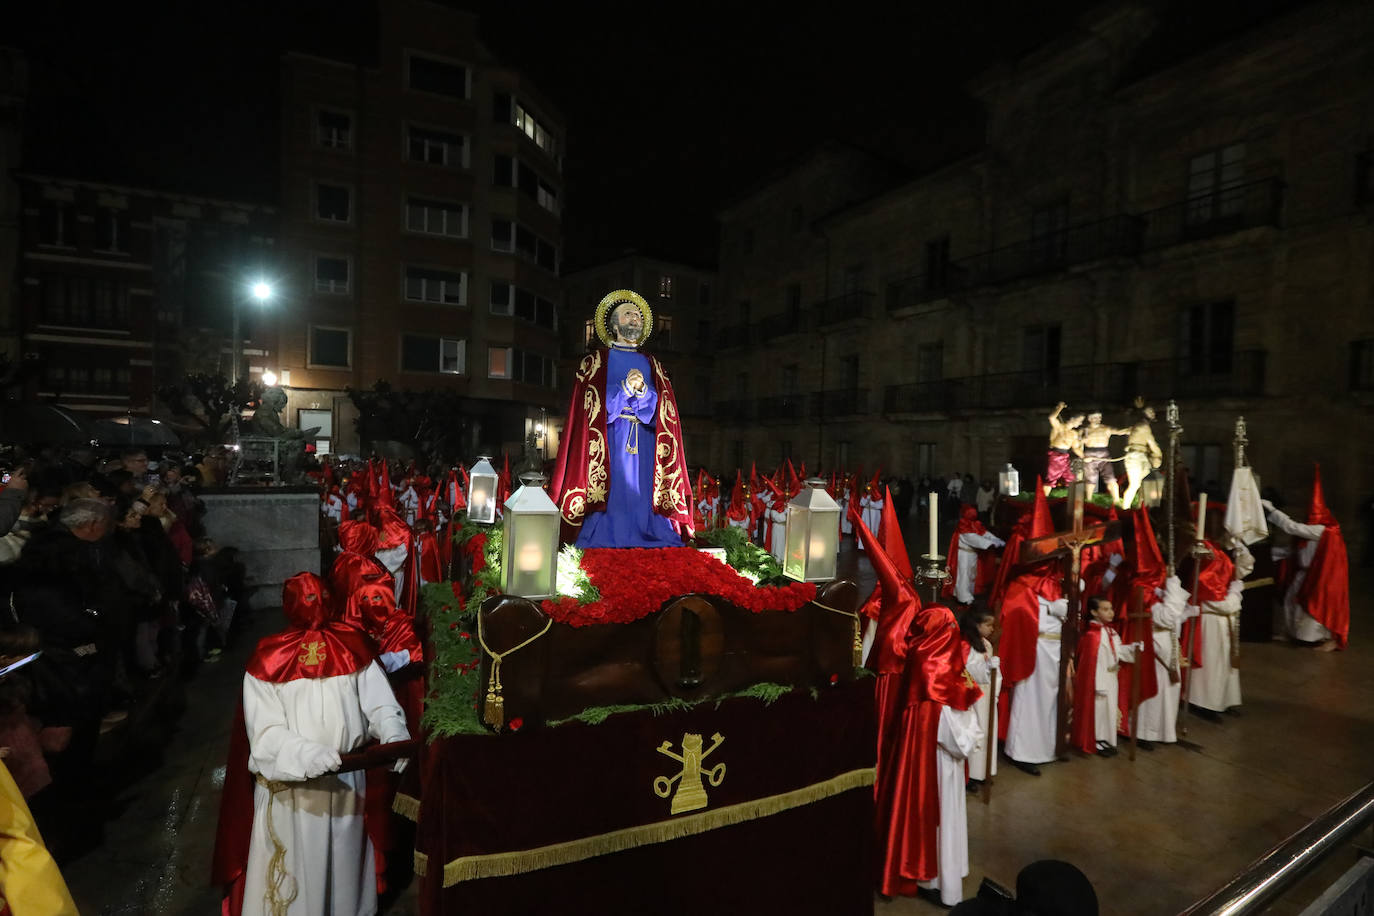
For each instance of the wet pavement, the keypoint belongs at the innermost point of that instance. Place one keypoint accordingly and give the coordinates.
(1153, 835)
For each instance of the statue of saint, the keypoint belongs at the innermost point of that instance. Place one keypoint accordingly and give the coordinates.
(1064, 438)
(1142, 452)
(621, 475)
(1097, 461)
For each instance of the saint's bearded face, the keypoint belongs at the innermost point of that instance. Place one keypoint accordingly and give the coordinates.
(627, 323)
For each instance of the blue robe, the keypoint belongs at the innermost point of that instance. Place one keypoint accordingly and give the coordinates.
(629, 519)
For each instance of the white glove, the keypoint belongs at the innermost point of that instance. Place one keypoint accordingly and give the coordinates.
(1138, 645)
(998, 542)
(394, 661)
(1116, 560)
(1266, 505)
(1109, 576)
(1190, 611)
(319, 759)
(1159, 592)
(1059, 608)
(1235, 588)
(995, 663)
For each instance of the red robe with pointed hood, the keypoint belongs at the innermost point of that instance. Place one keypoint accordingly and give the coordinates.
(336, 649)
(1143, 568)
(924, 643)
(1325, 592)
(894, 545)
(987, 563)
(581, 476)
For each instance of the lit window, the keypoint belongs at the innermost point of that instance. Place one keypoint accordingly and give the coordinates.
(331, 275)
(440, 286)
(531, 127)
(498, 362)
(665, 286)
(437, 218)
(334, 130)
(332, 203)
(435, 147)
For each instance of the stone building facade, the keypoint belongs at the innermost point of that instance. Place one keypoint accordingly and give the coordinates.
(1193, 227)
(421, 228)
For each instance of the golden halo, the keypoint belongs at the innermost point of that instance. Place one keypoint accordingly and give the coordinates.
(606, 305)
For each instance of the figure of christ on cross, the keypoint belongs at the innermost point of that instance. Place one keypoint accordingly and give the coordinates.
(1069, 545)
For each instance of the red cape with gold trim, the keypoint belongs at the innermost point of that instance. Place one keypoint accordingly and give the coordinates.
(581, 474)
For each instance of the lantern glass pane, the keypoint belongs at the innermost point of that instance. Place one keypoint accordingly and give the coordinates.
(530, 549)
(794, 557)
(482, 499)
(823, 546)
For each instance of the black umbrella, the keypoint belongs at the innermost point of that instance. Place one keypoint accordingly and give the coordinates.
(131, 430)
(32, 424)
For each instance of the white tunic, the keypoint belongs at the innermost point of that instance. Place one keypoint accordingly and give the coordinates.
(778, 545)
(846, 526)
(871, 510)
(958, 736)
(979, 668)
(1300, 624)
(966, 573)
(1106, 713)
(1157, 717)
(319, 822)
(1034, 701)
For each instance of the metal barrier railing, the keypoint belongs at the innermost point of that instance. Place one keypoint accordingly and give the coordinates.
(1280, 868)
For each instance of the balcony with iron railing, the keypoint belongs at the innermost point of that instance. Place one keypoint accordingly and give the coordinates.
(1115, 236)
(1235, 374)
(1220, 212)
(740, 410)
(792, 321)
(909, 293)
(839, 402)
(782, 407)
(844, 307)
(736, 335)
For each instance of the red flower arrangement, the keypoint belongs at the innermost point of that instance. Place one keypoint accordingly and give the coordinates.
(515, 724)
(636, 583)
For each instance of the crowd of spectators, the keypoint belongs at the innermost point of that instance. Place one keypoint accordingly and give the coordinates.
(107, 575)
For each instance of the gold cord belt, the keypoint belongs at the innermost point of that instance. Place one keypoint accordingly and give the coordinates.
(494, 709)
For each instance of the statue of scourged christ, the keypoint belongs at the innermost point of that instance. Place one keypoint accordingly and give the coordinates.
(621, 475)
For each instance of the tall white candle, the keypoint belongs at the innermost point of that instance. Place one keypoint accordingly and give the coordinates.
(1202, 515)
(934, 522)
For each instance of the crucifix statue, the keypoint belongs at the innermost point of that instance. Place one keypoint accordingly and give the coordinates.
(1068, 545)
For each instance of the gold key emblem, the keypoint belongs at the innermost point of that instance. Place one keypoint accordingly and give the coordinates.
(313, 654)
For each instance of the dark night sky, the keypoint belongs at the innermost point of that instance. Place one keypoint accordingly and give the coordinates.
(671, 110)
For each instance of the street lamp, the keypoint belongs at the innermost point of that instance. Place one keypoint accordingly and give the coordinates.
(260, 291)
(269, 378)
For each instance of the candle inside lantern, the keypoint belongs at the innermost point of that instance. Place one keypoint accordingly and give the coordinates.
(530, 558)
(817, 547)
(934, 522)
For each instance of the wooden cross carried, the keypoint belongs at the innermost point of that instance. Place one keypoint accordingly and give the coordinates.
(1068, 544)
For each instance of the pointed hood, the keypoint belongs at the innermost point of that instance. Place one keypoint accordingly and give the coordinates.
(1318, 513)
(394, 532)
(315, 643)
(793, 481)
(1041, 523)
(894, 549)
(875, 483)
(897, 594)
(357, 536)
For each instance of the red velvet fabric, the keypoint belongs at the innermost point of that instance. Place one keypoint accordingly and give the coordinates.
(316, 644)
(1083, 734)
(1325, 592)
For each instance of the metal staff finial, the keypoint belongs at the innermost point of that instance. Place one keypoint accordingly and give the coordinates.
(1175, 431)
(1240, 440)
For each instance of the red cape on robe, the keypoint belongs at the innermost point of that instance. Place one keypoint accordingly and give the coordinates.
(581, 475)
(1083, 735)
(1325, 593)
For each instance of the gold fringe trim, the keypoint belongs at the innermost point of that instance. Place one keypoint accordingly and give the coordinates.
(407, 806)
(504, 864)
(421, 864)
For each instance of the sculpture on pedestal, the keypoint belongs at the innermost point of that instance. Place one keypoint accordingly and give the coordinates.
(1142, 451)
(621, 475)
(1097, 461)
(1064, 439)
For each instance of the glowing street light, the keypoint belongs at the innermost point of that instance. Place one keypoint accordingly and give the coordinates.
(269, 378)
(261, 291)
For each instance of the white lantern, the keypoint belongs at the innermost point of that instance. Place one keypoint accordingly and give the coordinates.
(529, 549)
(482, 481)
(813, 535)
(1009, 481)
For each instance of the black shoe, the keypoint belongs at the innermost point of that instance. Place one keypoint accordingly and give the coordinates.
(1030, 768)
(1144, 745)
(1205, 715)
(1106, 750)
(1235, 711)
(973, 785)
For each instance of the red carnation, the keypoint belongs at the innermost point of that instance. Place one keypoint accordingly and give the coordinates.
(834, 679)
(515, 724)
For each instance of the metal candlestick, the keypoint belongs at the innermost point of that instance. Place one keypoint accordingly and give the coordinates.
(931, 575)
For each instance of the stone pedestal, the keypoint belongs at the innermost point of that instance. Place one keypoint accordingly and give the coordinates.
(276, 530)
